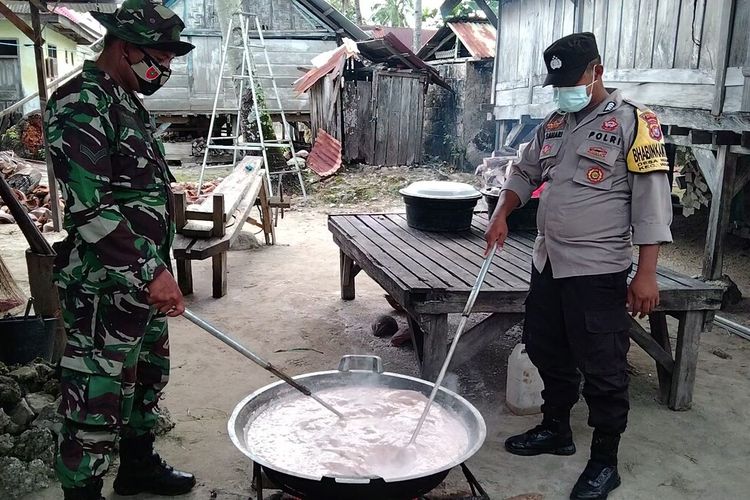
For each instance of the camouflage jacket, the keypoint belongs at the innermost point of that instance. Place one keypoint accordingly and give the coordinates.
(115, 183)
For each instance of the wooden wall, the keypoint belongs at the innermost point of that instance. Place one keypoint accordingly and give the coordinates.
(381, 121)
(662, 53)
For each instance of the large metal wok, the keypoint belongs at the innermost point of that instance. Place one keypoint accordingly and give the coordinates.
(353, 371)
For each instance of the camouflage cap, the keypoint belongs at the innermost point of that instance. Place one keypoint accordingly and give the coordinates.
(146, 23)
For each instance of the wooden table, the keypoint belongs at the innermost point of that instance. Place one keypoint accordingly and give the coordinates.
(431, 274)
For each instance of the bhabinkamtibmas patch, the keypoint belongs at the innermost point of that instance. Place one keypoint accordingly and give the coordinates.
(647, 153)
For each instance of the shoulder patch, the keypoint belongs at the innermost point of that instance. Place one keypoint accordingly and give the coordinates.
(647, 154)
(610, 106)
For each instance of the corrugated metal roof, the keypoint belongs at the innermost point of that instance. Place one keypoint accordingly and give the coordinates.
(22, 7)
(325, 156)
(478, 37)
(405, 35)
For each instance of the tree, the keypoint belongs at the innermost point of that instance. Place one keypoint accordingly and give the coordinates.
(391, 13)
(357, 12)
(349, 9)
(417, 43)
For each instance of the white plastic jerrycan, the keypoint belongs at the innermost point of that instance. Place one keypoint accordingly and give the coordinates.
(523, 391)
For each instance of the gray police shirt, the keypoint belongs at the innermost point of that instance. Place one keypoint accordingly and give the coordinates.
(606, 187)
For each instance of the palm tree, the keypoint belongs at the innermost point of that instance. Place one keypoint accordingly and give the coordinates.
(417, 42)
(391, 13)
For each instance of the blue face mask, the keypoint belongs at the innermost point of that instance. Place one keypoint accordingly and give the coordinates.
(573, 99)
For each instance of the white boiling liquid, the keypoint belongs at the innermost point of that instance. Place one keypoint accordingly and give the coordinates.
(300, 435)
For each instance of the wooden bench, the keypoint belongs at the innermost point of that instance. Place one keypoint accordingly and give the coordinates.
(208, 229)
(430, 275)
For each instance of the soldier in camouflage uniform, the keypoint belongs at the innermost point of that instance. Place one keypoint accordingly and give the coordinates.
(113, 269)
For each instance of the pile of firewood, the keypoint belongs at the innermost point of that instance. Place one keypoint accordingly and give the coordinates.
(191, 190)
(24, 177)
(697, 194)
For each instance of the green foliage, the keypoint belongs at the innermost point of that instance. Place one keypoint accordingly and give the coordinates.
(11, 139)
(346, 7)
(392, 13)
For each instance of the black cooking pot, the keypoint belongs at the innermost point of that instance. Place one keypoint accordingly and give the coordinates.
(520, 219)
(365, 371)
(440, 206)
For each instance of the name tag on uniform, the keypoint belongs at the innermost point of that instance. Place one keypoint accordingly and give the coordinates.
(597, 151)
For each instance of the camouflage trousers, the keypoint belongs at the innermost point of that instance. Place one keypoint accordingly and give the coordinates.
(115, 365)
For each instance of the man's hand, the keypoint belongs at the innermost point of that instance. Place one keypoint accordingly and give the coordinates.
(643, 294)
(165, 295)
(497, 231)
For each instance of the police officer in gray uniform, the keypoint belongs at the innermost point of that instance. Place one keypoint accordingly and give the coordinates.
(603, 160)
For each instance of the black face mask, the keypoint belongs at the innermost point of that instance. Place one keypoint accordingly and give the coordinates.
(151, 75)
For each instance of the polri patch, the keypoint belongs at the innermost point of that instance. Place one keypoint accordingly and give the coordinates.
(605, 137)
(597, 152)
(654, 128)
(610, 106)
(610, 125)
(555, 123)
(595, 175)
(546, 149)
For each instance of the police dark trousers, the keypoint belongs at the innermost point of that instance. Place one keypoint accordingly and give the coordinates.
(579, 325)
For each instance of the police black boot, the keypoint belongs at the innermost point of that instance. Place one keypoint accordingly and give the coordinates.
(600, 476)
(143, 470)
(552, 436)
(92, 491)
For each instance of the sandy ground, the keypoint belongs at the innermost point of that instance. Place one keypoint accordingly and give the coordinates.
(284, 302)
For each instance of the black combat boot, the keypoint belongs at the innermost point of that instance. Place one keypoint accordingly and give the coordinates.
(552, 436)
(92, 491)
(600, 476)
(143, 470)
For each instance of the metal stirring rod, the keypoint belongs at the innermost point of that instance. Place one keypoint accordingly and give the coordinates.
(208, 327)
(461, 325)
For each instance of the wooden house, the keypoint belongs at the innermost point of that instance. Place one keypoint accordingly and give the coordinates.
(370, 98)
(456, 128)
(294, 30)
(689, 60)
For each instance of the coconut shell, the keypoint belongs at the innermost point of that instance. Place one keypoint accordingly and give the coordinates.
(384, 326)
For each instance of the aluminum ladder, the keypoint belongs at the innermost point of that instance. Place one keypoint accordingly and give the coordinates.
(249, 76)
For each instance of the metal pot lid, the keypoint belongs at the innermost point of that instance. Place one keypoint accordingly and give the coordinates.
(441, 190)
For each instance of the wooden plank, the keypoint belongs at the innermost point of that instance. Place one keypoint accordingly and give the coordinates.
(644, 42)
(687, 49)
(660, 333)
(419, 134)
(452, 252)
(666, 33)
(740, 47)
(708, 167)
(711, 35)
(406, 140)
(218, 218)
(677, 95)
(648, 344)
(382, 118)
(394, 115)
(686, 360)
(629, 31)
(611, 55)
(587, 14)
(480, 336)
(348, 274)
(18, 22)
(404, 253)
(718, 219)
(722, 57)
(601, 20)
(180, 202)
(233, 187)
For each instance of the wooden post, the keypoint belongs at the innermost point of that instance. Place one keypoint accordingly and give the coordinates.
(219, 267)
(718, 220)
(435, 327)
(180, 203)
(686, 360)
(349, 271)
(41, 78)
(660, 333)
(185, 276)
(727, 9)
(46, 298)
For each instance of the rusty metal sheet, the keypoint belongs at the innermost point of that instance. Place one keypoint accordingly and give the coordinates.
(325, 156)
(478, 37)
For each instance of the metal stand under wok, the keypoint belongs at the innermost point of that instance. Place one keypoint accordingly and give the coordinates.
(477, 492)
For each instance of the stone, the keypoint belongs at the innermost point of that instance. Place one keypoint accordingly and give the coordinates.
(6, 444)
(45, 371)
(37, 401)
(3, 369)
(10, 392)
(18, 479)
(35, 443)
(22, 414)
(52, 387)
(49, 418)
(384, 326)
(164, 422)
(4, 421)
(245, 241)
(27, 377)
(14, 429)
